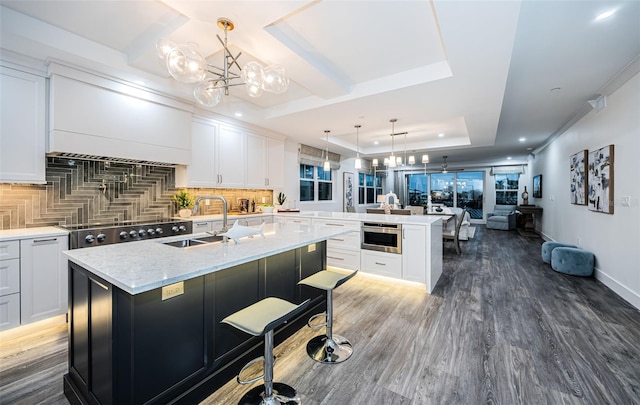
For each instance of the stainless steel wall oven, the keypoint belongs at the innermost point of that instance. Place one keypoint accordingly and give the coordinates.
(382, 237)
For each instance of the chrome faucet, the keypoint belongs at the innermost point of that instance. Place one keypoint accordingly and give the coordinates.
(224, 208)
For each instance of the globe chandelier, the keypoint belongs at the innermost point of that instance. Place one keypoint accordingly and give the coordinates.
(187, 65)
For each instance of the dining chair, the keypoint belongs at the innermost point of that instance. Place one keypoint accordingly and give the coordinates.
(454, 235)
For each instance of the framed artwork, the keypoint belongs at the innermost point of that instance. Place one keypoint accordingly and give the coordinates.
(537, 186)
(578, 178)
(600, 186)
(347, 190)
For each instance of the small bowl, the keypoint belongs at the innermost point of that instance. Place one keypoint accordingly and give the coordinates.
(438, 209)
(267, 210)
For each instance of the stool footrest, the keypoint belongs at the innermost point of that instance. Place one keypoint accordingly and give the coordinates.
(318, 326)
(282, 394)
(249, 364)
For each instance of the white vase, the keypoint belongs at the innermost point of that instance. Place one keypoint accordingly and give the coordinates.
(184, 213)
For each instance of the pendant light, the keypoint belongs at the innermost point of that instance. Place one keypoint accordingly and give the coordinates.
(392, 158)
(444, 164)
(358, 162)
(327, 164)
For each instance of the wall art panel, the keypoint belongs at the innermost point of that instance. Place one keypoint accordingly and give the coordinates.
(601, 180)
(578, 178)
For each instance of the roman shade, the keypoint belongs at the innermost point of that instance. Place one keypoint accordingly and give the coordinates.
(519, 169)
(308, 155)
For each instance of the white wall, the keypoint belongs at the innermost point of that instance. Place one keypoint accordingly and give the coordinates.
(614, 239)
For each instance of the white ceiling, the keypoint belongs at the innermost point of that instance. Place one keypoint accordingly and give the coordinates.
(479, 72)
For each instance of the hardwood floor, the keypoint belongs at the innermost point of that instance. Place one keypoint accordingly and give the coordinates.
(501, 327)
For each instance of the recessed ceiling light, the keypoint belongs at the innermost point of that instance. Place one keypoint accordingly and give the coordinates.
(522, 139)
(376, 142)
(508, 157)
(440, 135)
(605, 15)
(238, 114)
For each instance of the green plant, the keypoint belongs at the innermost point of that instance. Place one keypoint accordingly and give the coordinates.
(281, 198)
(267, 205)
(183, 199)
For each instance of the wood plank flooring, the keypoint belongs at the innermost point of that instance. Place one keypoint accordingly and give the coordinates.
(501, 327)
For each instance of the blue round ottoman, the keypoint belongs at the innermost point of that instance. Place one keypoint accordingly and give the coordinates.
(573, 261)
(548, 247)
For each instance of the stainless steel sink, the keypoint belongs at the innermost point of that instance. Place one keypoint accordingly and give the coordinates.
(195, 242)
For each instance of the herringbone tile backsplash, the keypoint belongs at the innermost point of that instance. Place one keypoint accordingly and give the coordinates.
(82, 191)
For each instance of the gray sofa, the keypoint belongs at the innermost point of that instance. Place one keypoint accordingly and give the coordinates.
(503, 217)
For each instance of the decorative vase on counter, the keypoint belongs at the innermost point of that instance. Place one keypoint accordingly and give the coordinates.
(184, 213)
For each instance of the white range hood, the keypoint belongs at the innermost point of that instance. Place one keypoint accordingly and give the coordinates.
(94, 117)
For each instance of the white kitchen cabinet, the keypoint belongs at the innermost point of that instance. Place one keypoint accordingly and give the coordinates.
(381, 263)
(202, 172)
(22, 127)
(9, 284)
(265, 157)
(414, 253)
(231, 157)
(343, 251)
(218, 157)
(43, 283)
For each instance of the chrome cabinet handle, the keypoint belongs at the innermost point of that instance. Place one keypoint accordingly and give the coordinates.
(44, 240)
(327, 224)
(335, 258)
(339, 240)
(381, 264)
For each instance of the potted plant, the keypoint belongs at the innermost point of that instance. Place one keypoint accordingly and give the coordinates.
(184, 202)
(281, 199)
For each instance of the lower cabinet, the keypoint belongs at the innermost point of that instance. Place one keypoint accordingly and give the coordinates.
(43, 278)
(381, 263)
(9, 311)
(146, 348)
(414, 253)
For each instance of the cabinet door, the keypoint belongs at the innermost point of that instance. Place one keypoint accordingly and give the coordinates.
(9, 311)
(43, 283)
(231, 157)
(257, 175)
(414, 253)
(22, 127)
(202, 172)
(275, 163)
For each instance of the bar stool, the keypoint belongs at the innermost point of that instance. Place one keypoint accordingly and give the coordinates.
(260, 319)
(328, 348)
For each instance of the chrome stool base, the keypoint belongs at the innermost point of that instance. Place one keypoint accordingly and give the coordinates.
(282, 395)
(329, 351)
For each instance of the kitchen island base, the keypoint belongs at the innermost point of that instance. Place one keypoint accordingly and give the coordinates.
(143, 349)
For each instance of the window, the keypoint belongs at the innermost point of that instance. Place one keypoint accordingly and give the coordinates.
(507, 188)
(469, 192)
(442, 188)
(367, 190)
(314, 178)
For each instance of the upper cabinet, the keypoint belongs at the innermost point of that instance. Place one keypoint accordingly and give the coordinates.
(265, 157)
(224, 155)
(22, 127)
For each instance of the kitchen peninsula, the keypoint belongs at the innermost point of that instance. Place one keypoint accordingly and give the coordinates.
(145, 316)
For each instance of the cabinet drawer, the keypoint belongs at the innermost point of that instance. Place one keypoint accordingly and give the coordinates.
(9, 276)
(345, 259)
(383, 264)
(350, 240)
(293, 220)
(202, 226)
(10, 250)
(9, 311)
(337, 224)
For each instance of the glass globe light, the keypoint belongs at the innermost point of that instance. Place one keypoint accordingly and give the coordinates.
(207, 94)
(185, 64)
(275, 79)
(253, 74)
(163, 47)
(253, 90)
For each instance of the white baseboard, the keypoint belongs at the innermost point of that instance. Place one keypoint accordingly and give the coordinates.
(630, 296)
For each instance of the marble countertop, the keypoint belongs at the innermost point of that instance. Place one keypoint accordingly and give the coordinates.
(28, 233)
(146, 265)
(347, 216)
